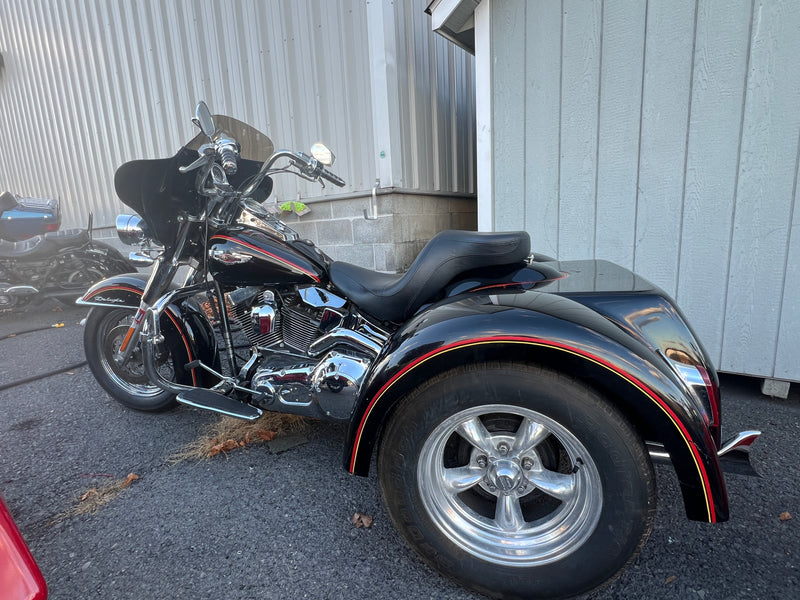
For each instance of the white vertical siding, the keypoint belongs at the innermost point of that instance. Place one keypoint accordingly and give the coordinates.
(580, 88)
(762, 217)
(542, 154)
(663, 135)
(619, 129)
(89, 85)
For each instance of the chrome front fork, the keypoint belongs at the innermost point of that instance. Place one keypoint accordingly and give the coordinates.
(162, 275)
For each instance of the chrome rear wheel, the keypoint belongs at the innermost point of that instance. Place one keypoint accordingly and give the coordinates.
(517, 481)
(491, 490)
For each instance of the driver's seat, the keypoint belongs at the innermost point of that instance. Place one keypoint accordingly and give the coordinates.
(390, 297)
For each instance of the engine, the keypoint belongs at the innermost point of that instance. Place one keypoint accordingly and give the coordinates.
(313, 352)
(270, 322)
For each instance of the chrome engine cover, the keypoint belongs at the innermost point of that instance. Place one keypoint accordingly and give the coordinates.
(326, 389)
(310, 353)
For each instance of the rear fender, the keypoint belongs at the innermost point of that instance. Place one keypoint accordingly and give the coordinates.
(185, 326)
(561, 334)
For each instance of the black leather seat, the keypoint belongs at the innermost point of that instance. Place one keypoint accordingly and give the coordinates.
(396, 297)
(44, 245)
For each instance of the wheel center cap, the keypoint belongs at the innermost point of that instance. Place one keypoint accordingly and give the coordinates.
(505, 475)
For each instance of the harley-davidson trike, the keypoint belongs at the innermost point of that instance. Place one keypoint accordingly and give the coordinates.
(516, 403)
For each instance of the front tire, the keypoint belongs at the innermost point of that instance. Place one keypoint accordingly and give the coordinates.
(102, 337)
(516, 481)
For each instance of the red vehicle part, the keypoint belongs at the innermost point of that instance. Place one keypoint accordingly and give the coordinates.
(20, 577)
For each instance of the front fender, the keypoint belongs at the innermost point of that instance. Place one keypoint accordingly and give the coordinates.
(186, 325)
(565, 335)
(119, 290)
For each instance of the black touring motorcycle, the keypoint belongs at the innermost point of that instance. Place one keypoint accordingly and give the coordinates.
(38, 260)
(516, 403)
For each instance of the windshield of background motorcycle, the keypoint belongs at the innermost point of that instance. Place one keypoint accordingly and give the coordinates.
(254, 144)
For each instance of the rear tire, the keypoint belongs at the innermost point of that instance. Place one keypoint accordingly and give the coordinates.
(516, 481)
(103, 334)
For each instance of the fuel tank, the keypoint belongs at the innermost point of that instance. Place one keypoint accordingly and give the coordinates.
(245, 256)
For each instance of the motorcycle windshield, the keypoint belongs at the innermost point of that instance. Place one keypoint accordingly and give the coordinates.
(254, 145)
(159, 192)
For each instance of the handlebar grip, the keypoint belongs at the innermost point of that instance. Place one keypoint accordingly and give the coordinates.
(332, 177)
(228, 156)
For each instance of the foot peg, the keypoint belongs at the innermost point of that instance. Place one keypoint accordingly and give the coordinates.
(208, 400)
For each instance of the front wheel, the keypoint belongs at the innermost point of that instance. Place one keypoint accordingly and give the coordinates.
(517, 481)
(102, 337)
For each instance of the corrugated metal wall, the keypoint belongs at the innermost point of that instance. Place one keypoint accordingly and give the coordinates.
(436, 84)
(663, 135)
(88, 85)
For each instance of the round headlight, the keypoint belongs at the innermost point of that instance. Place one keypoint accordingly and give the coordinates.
(130, 229)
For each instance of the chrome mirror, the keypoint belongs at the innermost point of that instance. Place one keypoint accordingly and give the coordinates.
(323, 154)
(203, 119)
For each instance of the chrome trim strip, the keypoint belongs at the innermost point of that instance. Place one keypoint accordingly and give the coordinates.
(21, 290)
(81, 302)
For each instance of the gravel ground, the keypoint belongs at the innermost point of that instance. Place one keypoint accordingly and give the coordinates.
(252, 524)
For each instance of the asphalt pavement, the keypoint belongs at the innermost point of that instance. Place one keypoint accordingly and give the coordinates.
(253, 524)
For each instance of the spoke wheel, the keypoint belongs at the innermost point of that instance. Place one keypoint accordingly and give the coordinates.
(105, 330)
(505, 504)
(131, 376)
(517, 481)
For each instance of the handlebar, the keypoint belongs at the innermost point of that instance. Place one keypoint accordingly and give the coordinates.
(332, 177)
(227, 150)
(314, 169)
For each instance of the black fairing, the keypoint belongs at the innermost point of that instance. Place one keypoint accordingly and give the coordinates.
(157, 191)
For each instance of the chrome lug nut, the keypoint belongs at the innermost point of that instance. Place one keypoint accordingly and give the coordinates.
(503, 449)
(482, 462)
(527, 464)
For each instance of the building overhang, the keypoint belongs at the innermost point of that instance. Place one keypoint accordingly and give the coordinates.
(455, 20)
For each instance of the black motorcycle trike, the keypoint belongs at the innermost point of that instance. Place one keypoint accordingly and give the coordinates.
(516, 403)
